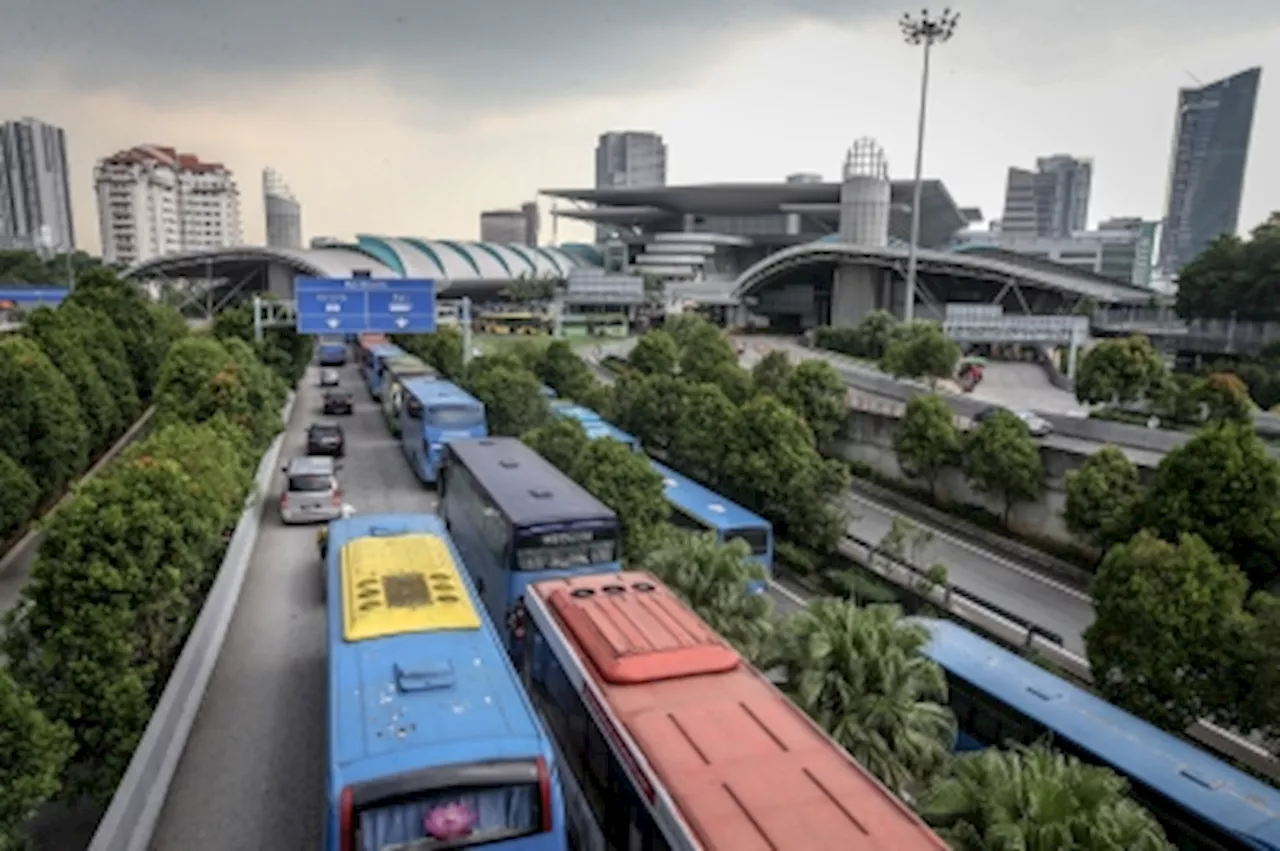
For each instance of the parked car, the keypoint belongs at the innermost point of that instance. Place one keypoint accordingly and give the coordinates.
(1037, 425)
(330, 378)
(337, 402)
(311, 491)
(326, 439)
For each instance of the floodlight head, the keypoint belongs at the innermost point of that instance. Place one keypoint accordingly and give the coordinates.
(928, 29)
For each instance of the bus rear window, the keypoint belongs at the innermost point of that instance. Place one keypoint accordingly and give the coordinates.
(757, 539)
(567, 550)
(459, 817)
(454, 417)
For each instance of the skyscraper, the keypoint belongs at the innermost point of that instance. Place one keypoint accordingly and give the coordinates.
(630, 158)
(1206, 168)
(35, 193)
(1052, 201)
(283, 212)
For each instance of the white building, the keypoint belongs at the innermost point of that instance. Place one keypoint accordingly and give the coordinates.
(35, 194)
(154, 201)
(283, 212)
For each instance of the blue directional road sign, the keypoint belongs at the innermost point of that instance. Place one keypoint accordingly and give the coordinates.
(365, 305)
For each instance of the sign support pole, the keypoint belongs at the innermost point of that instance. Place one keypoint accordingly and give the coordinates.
(257, 319)
(465, 318)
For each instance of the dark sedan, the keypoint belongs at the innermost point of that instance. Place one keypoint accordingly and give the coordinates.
(326, 439)
(337, 402)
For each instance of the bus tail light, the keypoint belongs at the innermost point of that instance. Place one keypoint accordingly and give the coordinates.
(544, 793)
(346, 822)
(337, 497)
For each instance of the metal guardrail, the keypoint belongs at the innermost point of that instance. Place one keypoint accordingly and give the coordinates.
(1014, 630)
(131, 818)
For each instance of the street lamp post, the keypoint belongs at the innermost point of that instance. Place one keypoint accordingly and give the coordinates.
(925, 30)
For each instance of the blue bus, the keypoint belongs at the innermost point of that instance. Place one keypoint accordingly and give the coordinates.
(332, 352)
(595, 426)
(701, 509)
(433, 413)
(998, 697)
(376, 373)
(432, 742)
(517, 520)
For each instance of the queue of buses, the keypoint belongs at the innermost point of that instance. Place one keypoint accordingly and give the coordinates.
(498, 680)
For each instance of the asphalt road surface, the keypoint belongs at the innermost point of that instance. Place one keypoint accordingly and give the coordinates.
(252, 774)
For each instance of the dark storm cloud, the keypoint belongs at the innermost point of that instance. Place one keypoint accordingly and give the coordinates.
(490, 52)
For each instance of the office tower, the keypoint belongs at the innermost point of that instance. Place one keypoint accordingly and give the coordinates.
(1206, 168)
(283, 212)
(154, 201)
(35, 192)
(1052, 201)
(511, 226)
(630, 158)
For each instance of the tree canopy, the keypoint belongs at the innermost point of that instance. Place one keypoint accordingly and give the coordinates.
(1121, 370)
(1102, 496)
(927, 441)
(1001, 458)
(1235, 278)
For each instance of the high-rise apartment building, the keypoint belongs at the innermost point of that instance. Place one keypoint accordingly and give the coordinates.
(511, 226)
(283, 212)
(1206, 168)
(1052, 201)
(35, 192)
(630, 158)
(153, 201)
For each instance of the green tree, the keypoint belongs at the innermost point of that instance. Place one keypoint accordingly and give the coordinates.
(40, 421)
(513, 399)
(109, 355)
(1035, 799)
(928, 441)
(772, 373)
(1226, 398)
(713, 578)
(859, 673)
(35, 751)
(67, 347)
(1002, 459)
(1168, 619)
(733, 381)
(441, 348)
(283, 350)
(1120, 371)
(704, 352)
(919, 349)
(129, 311)
(624, 481)
(648, 406)
(1234, 278)
(560, 441)
(563, 371)
(1223, 486)
(707, 429)
(28, 267)
(1102, 496)
(819, 395)
(656, 353)
(1258, 670)
(19, 496)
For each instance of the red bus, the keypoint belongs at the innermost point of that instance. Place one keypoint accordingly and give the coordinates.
(669, 741)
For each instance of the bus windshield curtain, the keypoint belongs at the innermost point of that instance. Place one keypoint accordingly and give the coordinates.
(486, 815)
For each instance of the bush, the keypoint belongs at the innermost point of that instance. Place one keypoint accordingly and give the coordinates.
(19, 496)
(35, 752)
(40, 419)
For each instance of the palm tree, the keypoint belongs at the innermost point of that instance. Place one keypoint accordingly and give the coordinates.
(712, 578)
(859, 673)
(1034, 799)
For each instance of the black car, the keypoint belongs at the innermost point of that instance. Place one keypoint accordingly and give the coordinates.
(326, 439)
(337, 402)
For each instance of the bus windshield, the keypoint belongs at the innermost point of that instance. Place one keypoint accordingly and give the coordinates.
(459, 817)
(755, 538)
(455, 416)
(566, 550)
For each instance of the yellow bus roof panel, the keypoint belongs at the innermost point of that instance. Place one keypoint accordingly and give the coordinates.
(402, 584)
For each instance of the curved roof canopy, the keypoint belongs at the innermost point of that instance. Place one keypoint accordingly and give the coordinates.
(445, 261)
(1002, 269)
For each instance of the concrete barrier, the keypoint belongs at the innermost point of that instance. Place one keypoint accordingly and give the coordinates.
(130, 820)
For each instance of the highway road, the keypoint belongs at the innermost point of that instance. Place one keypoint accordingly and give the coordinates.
(252, 774)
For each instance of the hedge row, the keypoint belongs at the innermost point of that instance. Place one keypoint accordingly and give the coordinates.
(75, 379)
(122, 573)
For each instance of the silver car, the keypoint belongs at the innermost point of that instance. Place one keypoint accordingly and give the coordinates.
(330, 378)
(311, 491)
(1037, 425)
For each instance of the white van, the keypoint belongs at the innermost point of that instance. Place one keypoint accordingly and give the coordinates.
(311, 491)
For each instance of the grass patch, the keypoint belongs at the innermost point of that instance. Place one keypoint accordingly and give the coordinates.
(492, 344)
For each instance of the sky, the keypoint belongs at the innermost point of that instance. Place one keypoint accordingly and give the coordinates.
(409, 117)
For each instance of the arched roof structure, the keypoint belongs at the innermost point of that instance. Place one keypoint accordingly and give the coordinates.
(448, 262)
(1002, 269)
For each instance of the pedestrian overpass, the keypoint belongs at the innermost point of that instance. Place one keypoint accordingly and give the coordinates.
(989, 324)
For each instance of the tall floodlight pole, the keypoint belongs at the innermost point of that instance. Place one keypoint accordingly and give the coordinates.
(925, 30)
